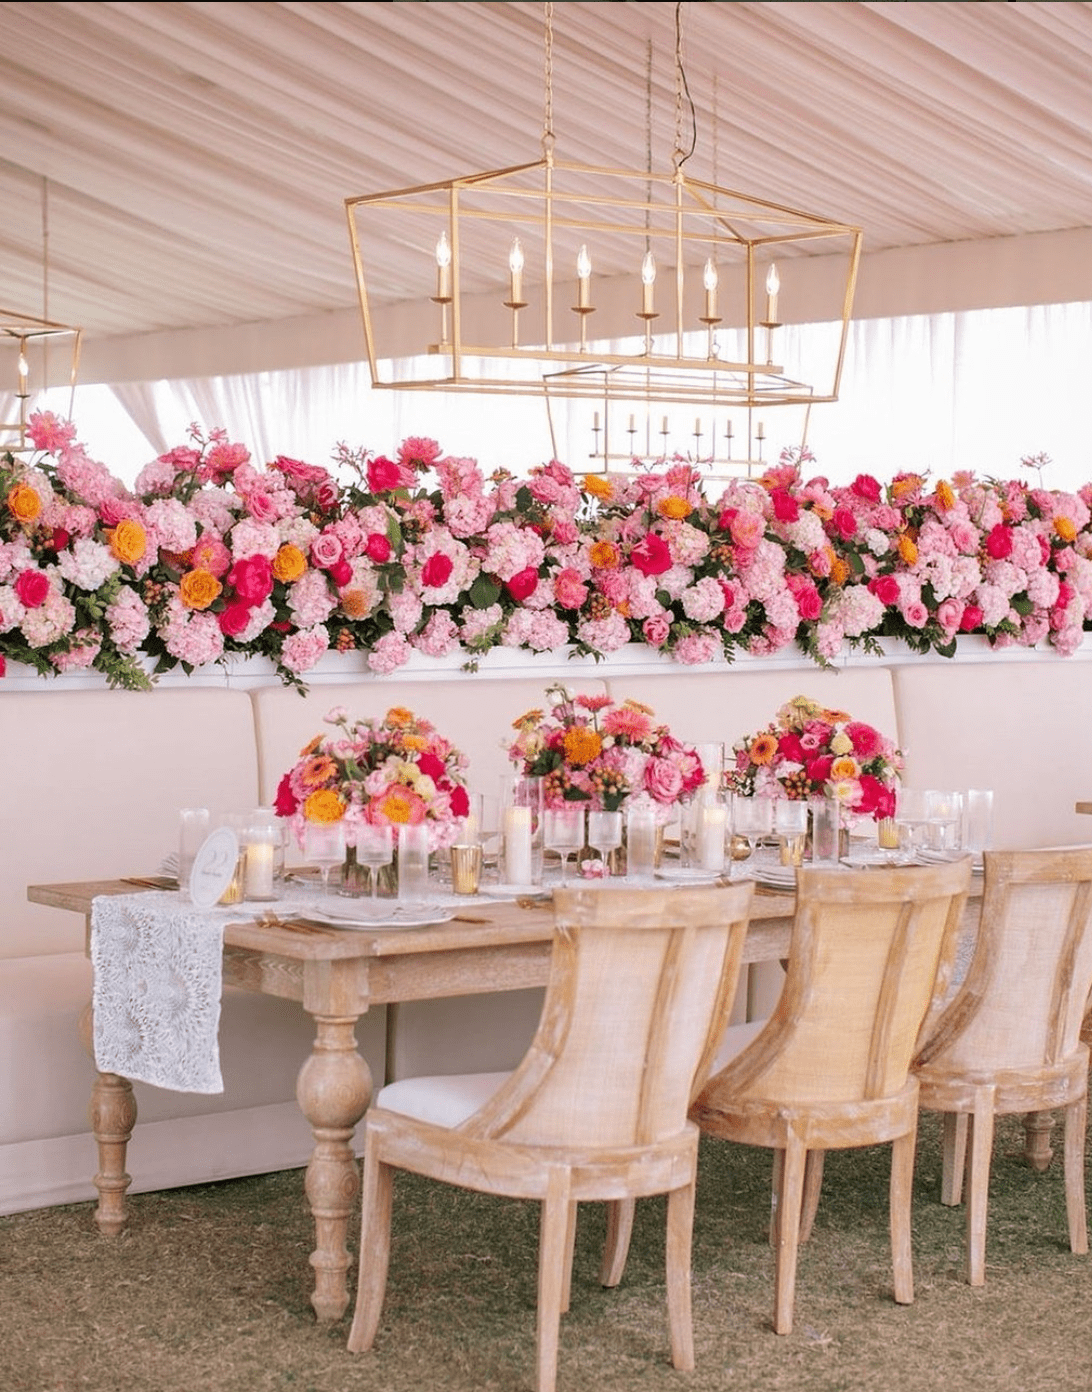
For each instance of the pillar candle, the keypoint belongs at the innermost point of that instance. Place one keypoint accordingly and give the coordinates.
(259, 870)
(517, 845)
(714, 823)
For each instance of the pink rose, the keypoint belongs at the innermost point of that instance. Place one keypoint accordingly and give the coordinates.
(972, 619)
(523, 584)
(286, 802)
(384, 474)
(251, 579)
(844, 523)
(377, 548)
(663, 779)
(261, 506)
(570, 591)
(949, 614)
(865, 486)
(885, 588)
(656, 629)
(999, 542)
(31, 587)
(436, 571)
(327, 495)
(341, 573)
(747, 529)
(785, 506)
(650, 555)
(327, 550)
(915, 613)
(867, 742)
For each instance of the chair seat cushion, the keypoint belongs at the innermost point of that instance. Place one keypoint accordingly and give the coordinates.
(443, 1100)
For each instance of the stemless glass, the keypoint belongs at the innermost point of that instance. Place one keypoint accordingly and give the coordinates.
(324, 846)
(375, 848)
(752, 818)
(605, 834)
(564, 833)
(791, 827)
(943, 819)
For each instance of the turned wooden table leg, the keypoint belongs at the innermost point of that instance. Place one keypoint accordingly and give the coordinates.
(112, 1114)
(333, 1090)
(1037, 1131)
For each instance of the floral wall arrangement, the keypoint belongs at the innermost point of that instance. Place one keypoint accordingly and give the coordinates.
(209, 555)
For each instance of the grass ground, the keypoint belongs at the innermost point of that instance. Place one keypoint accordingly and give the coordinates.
(207, 1291)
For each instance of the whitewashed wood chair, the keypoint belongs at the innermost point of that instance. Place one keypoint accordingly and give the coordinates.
(1010, 1040)
(641, 984)
(871, 950)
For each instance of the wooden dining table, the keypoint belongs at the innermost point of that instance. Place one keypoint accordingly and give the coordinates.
(337, 975)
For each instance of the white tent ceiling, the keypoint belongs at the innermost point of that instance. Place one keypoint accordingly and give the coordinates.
(184, 166)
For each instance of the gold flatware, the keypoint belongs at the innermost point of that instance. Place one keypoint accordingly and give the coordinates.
(151, 881)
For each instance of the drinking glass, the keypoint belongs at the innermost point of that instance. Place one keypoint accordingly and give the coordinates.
(324, 846)
(413, 852)
(375, 848)
(910, 819)
(640, 843)
(826, 830)
(564, 833)
(943, 819)
(752, 818)
(977, 821)
(193, 827)
(605, 834)
(791, 828)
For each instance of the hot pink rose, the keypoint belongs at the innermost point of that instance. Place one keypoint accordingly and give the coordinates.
(384, 474)
(650, 555)
(251, 579)
(663, 779)
(785, 506)
(844, 523)
(866, 487)
(341, 573)
(327, 495)
(972, 618)
(378, 548)
(31, 587)
(436, 571)
(999, 542)
(867, 741)
(234, 617)
(523, 584)
(286, 802)
(885, 588)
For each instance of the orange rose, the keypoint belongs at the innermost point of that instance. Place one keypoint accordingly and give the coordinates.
(24, 503)
(839, 571)
(844, 768)
(582, 745)
(598, 487)
(1065, 529)
(604, 555)
(289, 563)
(197, 589)
(674, 508)
(323, 805)
(128, 541)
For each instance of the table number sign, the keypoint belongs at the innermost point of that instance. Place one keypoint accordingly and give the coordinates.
(214, 867)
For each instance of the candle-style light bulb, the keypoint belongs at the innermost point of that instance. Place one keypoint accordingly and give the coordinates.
(24, 372)
(515, 267)
(710, 280)
(583, 278)
(648, 281)
(773, 285)
(443, 267)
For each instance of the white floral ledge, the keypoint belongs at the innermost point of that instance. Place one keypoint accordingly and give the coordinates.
(634, 659)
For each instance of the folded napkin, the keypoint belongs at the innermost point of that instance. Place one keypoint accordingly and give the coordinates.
(157, 964)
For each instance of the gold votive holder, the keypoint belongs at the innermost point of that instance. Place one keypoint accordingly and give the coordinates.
(887, 834)
(466, 869)
(236, 890)
(791, 849)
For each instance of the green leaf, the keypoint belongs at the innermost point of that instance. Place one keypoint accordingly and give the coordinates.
(484, 592)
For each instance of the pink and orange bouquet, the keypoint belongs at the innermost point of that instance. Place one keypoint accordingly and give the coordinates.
(395, 771)
(809, 751)
(604, 754)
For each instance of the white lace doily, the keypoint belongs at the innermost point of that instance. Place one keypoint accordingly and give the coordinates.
(157, 964)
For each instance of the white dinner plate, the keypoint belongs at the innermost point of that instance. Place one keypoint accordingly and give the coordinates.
(351, 916)
(511, 891)
(685, 874)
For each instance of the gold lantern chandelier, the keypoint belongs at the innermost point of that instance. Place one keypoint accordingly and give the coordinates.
(25, 343)
(696, 272)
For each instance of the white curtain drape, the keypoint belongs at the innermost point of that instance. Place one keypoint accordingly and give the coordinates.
(977, 390)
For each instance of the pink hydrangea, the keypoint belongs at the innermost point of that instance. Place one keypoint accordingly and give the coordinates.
(302, 649)
(697, 648)
(390, 652)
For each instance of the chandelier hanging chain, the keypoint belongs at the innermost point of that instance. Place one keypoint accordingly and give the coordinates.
(548, 81)
(678, 157)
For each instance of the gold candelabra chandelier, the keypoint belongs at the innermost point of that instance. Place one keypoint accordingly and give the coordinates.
(698, 272)
(25, 342)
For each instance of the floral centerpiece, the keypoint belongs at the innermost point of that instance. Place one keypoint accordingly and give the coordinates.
(396, 771)
(605, 754)
(809, 751)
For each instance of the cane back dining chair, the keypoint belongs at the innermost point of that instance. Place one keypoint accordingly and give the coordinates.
(870, 949)
(641, 984)
(1010, 1039)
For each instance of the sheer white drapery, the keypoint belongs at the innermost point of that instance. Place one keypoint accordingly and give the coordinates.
(974, 390)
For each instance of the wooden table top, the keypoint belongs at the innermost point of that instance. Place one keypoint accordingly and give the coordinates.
(1085, 807)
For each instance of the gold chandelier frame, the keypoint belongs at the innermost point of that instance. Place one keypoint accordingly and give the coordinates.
(20, 335)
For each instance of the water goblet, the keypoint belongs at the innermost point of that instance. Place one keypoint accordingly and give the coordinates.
(605, 834)
(943, 819)
(324, 846)
(564, 833)
(752, 818)
(375, 848)
(791, 826)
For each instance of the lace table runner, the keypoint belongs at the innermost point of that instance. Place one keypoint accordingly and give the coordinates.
(157, 964)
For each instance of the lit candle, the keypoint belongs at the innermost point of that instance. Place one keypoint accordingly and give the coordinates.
(709, 278)
(583, 277)
(515, 266)
(517, 845)
(760, 433)
(697, 426)
(663, 426)
(259, 870)
(714, 823)
(728, 431)
(595, 421)
(648, 281)
(773, 285)
(443, 267)
(632, 424)
(24, 372)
